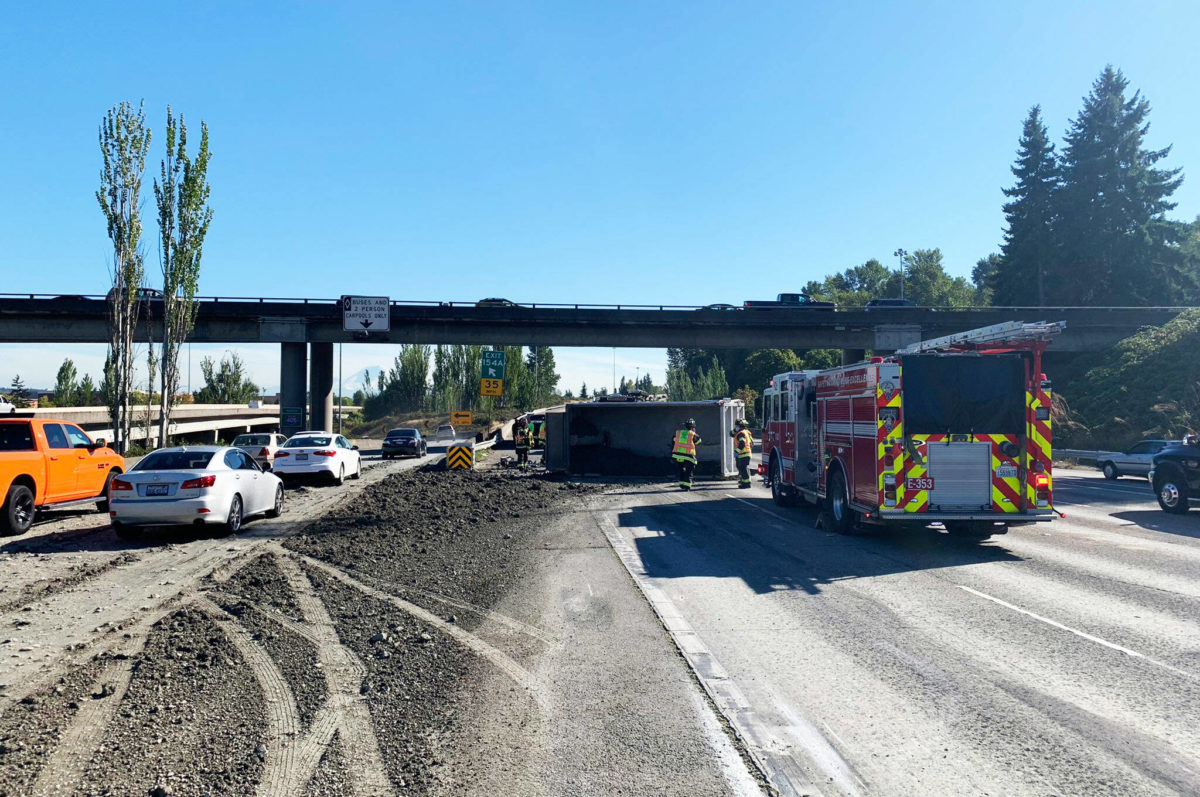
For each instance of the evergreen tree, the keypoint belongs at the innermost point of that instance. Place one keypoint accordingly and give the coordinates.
(583, 393)
(87, 391)
(1029, 253)
(66, 389)
(18, 394)
(1117, 247)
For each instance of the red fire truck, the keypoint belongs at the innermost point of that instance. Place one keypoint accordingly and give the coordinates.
(954, 430)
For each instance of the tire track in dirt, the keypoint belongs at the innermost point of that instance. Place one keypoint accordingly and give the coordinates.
(343, 674)
(497, 657)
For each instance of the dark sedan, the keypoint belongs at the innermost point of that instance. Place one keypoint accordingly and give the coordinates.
(403, 443)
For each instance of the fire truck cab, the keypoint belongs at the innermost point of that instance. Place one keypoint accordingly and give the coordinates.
(954, 430)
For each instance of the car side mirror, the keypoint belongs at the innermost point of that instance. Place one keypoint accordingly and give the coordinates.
(99, 443)
(353, 448)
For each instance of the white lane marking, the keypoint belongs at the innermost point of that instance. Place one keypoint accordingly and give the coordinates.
(590, 593)
(1082, 634)
(770, 750)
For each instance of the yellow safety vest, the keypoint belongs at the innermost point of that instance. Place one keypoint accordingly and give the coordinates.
(685, 443)
(521, 438)
(743, 443)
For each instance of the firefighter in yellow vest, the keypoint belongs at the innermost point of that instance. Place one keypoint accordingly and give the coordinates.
(683, 451)
(743, 448)
(521, 442)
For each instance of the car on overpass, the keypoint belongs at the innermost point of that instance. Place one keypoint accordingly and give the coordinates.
(403, 443)
(1136, 461)
(195, 486)
(789, 301)
(495, 302)
(318, 454)
(1175, 475)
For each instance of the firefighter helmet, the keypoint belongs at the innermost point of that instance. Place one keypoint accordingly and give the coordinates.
(690, 423)
(742, 423)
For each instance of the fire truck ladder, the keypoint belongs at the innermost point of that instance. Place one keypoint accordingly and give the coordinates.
(1008, 332)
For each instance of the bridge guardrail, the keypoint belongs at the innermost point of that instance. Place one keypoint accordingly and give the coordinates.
(889, 311)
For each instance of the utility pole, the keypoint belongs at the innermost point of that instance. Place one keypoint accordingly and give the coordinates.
(615, 370)
(903, 255)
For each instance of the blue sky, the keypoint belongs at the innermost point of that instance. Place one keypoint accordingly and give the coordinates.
(604, 152)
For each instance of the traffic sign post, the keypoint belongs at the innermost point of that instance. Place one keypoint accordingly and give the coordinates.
(491, 387)
(366, 314)
(492, 366)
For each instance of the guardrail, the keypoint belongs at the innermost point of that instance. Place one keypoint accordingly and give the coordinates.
(586, 306)
(1080, 455)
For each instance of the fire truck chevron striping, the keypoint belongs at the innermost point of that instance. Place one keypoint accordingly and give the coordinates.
(955, 430)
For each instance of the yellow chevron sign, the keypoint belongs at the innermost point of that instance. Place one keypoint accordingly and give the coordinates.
(460, 458)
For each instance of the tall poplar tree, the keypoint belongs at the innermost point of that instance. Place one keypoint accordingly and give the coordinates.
(124, 142)
(1117, 246)
(183, 219)
(1029, 254)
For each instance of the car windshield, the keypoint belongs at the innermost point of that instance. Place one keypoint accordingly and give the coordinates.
(175, 460)
(308, 442)
(252, 440)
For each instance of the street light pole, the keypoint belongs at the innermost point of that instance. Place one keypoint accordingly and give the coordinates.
(903, 255)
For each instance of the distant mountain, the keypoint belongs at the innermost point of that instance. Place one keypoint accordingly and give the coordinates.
(354, 381)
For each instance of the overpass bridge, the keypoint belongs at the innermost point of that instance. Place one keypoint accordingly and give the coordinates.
(306, 329)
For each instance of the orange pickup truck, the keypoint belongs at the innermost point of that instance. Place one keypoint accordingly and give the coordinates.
(50, 463)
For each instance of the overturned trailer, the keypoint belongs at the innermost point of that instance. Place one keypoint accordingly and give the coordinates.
(634, 438)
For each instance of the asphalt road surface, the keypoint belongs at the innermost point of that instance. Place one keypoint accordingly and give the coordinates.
(1062, 658)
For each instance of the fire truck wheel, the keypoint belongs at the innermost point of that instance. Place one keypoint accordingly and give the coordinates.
(838, 503)
(779, 492)
(972, 529)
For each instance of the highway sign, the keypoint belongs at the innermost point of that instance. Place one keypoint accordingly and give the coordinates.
(366, 314)
(460, 457)
(492, 365)
(491, 387)
(460, 418)
(291, 416)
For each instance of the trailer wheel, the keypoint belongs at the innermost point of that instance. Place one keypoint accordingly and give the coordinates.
(837, 503)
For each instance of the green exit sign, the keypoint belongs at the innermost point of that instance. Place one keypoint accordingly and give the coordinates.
(492, 365)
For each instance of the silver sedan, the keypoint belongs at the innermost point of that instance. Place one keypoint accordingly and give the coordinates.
(202, 486)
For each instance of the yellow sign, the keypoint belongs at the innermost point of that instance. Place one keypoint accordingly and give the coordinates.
(460, 418)
(491, 387)
(460, 458)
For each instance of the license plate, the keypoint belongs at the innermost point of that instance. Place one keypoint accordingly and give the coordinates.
(1007, 471)
(301, 457)
(156, 489)
(919, 483)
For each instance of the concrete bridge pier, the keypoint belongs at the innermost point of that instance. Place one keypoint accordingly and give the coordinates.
(320, 386)
(293, 387)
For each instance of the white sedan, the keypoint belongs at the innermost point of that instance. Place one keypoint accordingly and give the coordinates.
(318, 453)
(201, 485)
